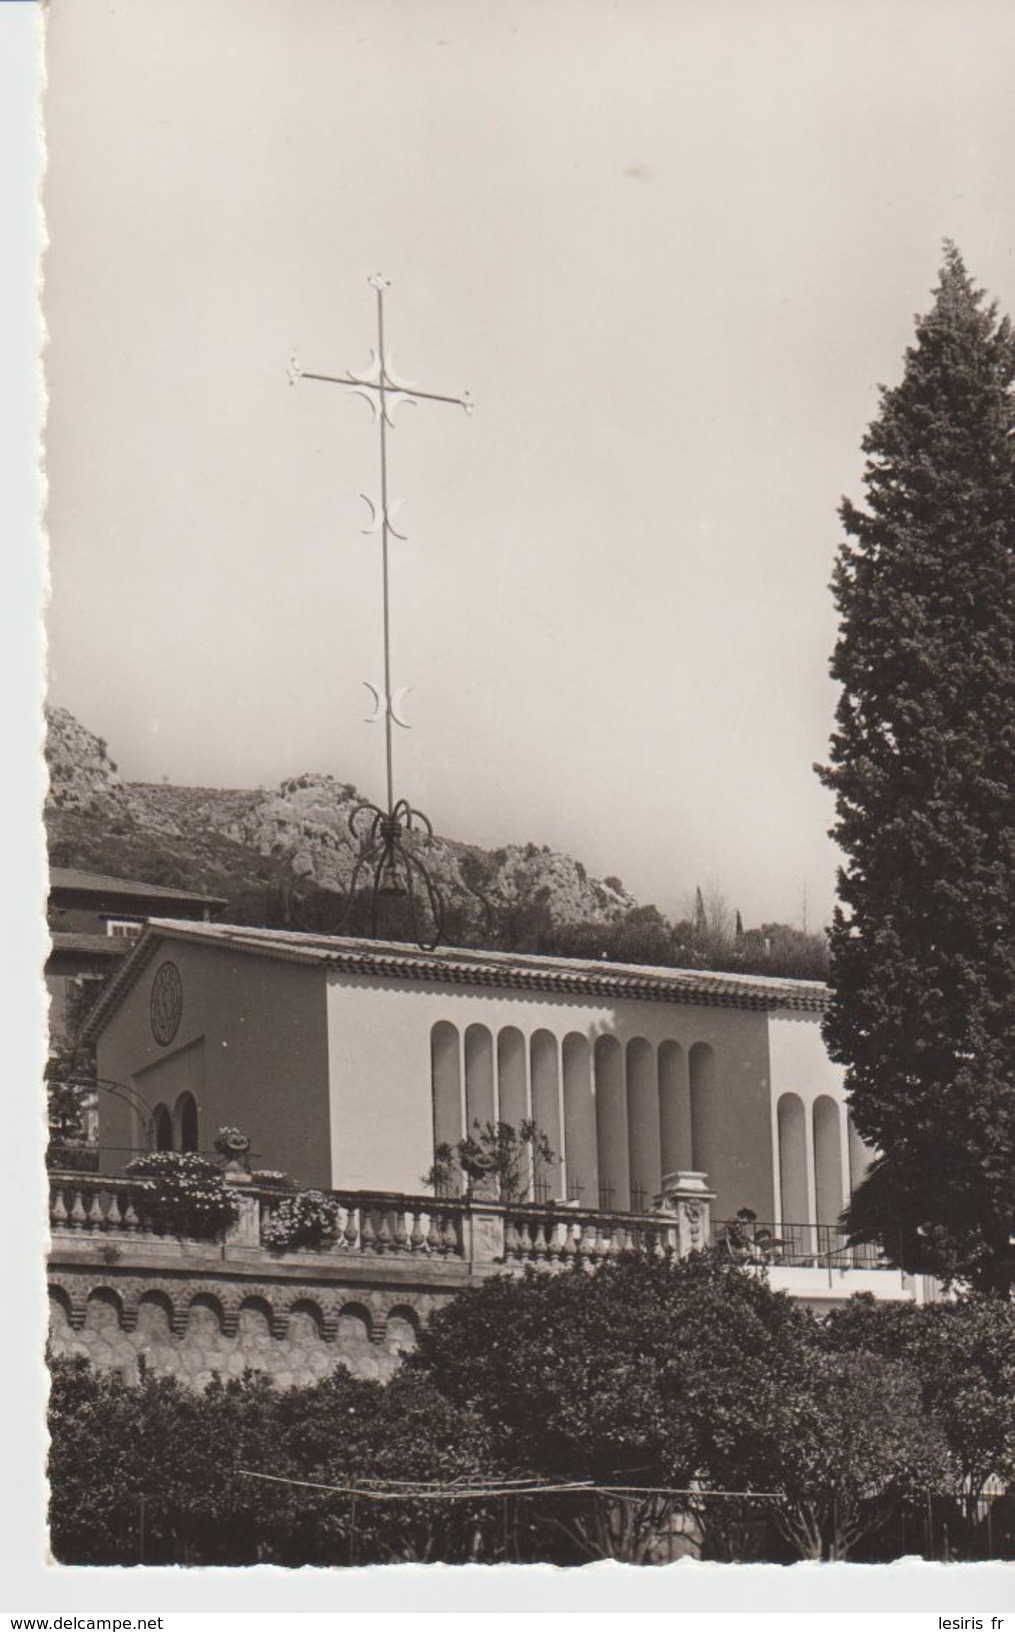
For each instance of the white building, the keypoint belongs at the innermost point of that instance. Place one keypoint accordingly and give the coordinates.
(347, 1061)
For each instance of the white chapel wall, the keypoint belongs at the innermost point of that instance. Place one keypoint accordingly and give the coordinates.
(617, 1086)
(816, 1153)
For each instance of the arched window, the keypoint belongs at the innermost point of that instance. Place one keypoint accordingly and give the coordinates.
(674, 1109)
(186, 1123)
(479, 1093)
(512, 1086)
(446, 1084)
(546, 1111)
(706, 1134)
(828, 1160)
(611, 1126)
(162, 1128)
(579, 1121)
(793, 1170)
(643, 1124)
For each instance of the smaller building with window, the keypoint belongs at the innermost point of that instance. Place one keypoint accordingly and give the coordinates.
(93, 922)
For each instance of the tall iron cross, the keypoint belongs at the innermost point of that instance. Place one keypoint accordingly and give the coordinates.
(383, 390)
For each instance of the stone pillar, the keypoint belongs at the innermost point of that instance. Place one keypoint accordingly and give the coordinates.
(246, 1232)
(483, 1229)
(688, 1198)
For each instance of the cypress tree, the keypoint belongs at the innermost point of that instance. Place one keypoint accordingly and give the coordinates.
(923, 769)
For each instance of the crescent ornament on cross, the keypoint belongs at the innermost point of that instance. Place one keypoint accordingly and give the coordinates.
(387, 706)
(377, 517)
(383, 854)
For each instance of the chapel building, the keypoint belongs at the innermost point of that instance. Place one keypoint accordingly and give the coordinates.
(347, 1062)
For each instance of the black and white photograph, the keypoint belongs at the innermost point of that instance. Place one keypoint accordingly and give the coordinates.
(529, 726)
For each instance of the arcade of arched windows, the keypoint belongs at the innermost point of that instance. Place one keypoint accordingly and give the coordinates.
(176, 1129)
(821, 1159)
(617, 1115)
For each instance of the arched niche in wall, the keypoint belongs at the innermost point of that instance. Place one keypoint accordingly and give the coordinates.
(104, 1309)
(611, 1125)
(580, 1141)
(512, 1078)
(546, 1111)
(185, 1123)
(793, 1163)
(706, 1129)
(828, 1160)
(644, 1155)
(401, 1329)
(354, 1324)
(162, 1128)
(446, 1083)
(480, 1103)
(674, 1110)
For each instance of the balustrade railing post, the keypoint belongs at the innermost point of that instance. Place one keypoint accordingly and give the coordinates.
(688, 1200)
(483, 1224)
(245, 1231)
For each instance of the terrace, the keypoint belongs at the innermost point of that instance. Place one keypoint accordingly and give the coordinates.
(448, 1241)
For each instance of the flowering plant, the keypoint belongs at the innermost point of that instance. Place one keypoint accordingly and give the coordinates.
(272, 1176)
(307, 1219)
(182, 1194)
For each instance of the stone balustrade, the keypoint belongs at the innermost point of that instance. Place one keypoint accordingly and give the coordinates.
(125, 1292)
(376, 1224)
(83, 1201)
(564, 1236)
(370, 1222)
(367, 1222)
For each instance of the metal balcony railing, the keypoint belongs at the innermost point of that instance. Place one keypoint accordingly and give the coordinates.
(794, 1246)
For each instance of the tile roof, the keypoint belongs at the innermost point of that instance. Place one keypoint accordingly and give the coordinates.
(76, 878)
(79, 941)
(467, 967)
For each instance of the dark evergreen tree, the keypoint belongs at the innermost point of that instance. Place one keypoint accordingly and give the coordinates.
(700, 916)
(923, 769)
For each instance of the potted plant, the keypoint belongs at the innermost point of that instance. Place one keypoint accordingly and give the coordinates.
(233, 1146)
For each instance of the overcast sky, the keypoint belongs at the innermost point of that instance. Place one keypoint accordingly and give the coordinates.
(670, 247)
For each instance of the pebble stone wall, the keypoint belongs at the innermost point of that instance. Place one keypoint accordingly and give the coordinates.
(205, 1335)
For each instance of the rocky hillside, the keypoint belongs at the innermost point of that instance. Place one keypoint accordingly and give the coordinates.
(287, 847)
(285, 858)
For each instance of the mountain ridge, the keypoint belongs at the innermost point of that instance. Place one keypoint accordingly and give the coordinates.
(284, 857)
(301, 828)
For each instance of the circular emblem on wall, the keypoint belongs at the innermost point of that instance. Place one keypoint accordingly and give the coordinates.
(167, 1003)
